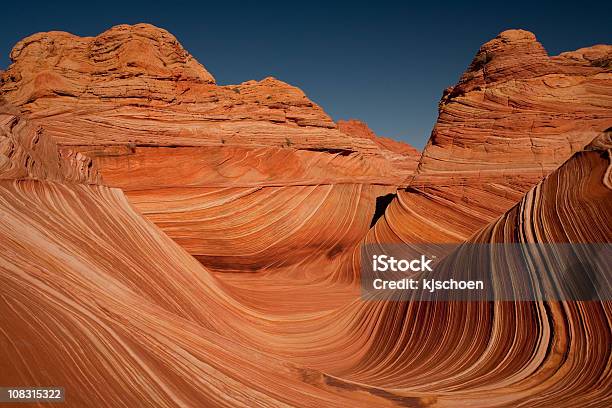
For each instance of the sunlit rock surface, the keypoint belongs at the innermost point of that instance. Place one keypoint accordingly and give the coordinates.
(402, 155)
(515, 115)
(256, 163)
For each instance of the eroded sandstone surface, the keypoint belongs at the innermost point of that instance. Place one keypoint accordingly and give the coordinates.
(158, 127)
(165, 241)
(515, 115)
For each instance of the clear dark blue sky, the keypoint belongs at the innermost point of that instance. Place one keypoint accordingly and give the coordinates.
(384, 63)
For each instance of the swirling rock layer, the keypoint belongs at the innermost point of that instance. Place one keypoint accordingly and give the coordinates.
(159, 127)
(26, 153)
(515, 115)
(143, 298)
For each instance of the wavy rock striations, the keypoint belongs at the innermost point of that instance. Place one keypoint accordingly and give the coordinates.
(528, 354)
(99, 300)
(139, 299)
(402, 155)
(114, 290)
(92, 292)
(184, 149)
(515, 115)
(26, 153)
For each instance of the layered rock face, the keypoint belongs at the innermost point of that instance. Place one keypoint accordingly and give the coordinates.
(530, 347)
(515, 115)
(517, 110)
(123, 290)
(93, 292)
(402, 155)
(26, 153)
(136, 86)
(133, 299)
(159, 127)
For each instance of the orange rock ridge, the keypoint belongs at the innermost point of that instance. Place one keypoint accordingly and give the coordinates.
(159, 127)
(405, 155)
(515, 115)
(136, 86)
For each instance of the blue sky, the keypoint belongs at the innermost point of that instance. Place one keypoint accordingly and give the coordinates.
(382, 62)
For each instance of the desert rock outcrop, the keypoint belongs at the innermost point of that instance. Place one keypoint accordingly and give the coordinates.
(400, 154)
(515, 115)
(165, 241)
(185, 149)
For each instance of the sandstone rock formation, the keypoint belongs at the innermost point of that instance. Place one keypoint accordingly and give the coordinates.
(159, 127)
(140, 297)
(136, 86)
(517, 109)
(26, 153)
(530, 347)
(405, 155)
(515, 115)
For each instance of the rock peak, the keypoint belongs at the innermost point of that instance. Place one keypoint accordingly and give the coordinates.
(513, 43)
(511, 54)
(123, 50)
(360, 129)
(517, 35)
